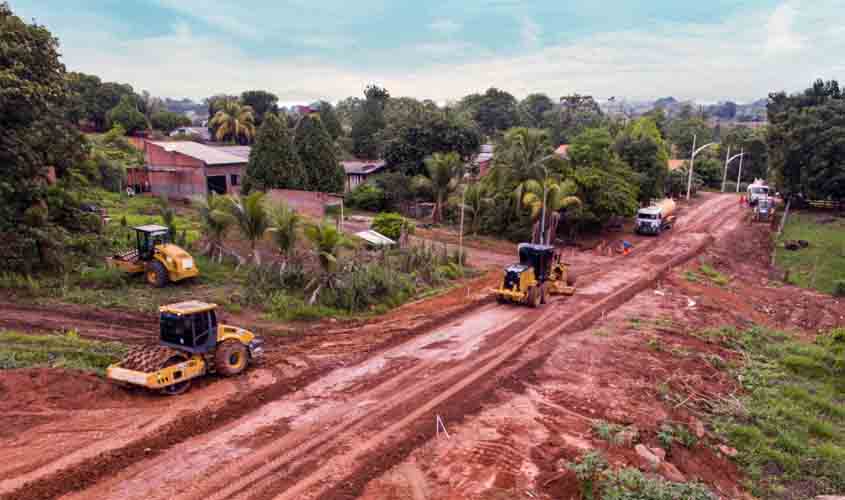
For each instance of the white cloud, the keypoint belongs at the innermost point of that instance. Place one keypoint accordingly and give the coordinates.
(530, 33)
(781, 36)
(445, 26)
(705, 62)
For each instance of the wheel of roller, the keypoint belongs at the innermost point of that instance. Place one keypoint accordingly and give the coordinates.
(147, 358)
(178, 387)
(231, 358)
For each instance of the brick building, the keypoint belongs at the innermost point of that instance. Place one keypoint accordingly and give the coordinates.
(185, 169)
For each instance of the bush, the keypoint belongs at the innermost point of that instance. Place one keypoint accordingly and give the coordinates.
(839, 288)
(367, 286)
(286, 307)
(367, 197)
(391, 224)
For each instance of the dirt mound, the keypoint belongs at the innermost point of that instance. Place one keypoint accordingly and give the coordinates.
(45, 389)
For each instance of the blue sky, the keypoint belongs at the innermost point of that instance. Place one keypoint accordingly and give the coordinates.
(443, 49)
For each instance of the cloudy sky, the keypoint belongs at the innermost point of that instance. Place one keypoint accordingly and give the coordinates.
(443, 49)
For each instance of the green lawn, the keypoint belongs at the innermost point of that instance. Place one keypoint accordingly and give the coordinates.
(789, 425)
(18, 350)
(821, 264)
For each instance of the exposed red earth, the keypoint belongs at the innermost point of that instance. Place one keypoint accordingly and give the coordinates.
(347, 410)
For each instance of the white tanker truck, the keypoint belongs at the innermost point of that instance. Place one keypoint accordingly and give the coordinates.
(656, 218)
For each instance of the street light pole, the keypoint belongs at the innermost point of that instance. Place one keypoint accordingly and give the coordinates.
(739, 176)
(692, 162)
(461, 230)
(725, 175)
(543, 215)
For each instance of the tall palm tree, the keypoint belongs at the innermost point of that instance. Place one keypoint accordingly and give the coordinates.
(559, 195)
(521, 149)
(216, 219)
(252, 218)
(234, 120)
(443, 174)
(476, 200)
(284, 223)
(327, 241)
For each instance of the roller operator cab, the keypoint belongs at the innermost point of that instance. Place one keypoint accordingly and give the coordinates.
(525, 281)
(192, 343)
(157, 257)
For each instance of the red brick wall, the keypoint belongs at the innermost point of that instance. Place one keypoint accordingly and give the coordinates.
(180, 176)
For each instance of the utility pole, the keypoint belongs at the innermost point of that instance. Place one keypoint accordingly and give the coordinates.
(739, 176)
(692, 161)
(461, 230)
(725, 175)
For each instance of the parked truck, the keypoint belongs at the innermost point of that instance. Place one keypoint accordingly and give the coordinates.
(757, 191)
(656, 218)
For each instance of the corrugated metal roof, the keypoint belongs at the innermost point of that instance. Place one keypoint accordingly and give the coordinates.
(206, 154)
(375, 238)
(240, 151)
(362, 166)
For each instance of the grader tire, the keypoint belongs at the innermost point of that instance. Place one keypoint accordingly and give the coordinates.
(156, 274)
(534, 297)
(231, 358)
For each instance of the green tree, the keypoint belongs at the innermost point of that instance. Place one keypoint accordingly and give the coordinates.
(533, 110)
(330, 120)
(167, 121)
(90, 99)
(641, 146)
(284, 225)
(443, 172)
(327, 242)
(369, 121)
(577, 113)
(216, 219)
(477, 200)
(273, 162)
(261, 102)
(591, 147)
(252, 218)
(494, 111)
(126, 115)
(314, 146)
(233, 121)
(682, 130)
(516, 159)
(558, 196)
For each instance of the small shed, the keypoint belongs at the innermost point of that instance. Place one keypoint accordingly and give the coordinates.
(375, 239)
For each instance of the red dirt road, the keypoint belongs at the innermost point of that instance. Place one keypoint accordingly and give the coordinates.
(326, 436)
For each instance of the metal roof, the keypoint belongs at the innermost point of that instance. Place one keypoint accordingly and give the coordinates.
(375, 238)
(241, 151)
(362, 166)
(151, 228)
(206, 154)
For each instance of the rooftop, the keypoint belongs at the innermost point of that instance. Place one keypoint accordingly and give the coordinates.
(206, 154)
(240, 151)
(362, 166)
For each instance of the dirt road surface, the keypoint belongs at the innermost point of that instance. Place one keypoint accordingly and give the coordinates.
(326, 431)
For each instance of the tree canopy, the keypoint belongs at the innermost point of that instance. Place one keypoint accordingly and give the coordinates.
(494, 111)
(273, 162)
(368, 122)
(316, 151)
(261, 102)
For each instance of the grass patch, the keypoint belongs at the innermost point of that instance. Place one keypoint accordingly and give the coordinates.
(18, 350)
(713, 275)
(790, 433)
(820, 266)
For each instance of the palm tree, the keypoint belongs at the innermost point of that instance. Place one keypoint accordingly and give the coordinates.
(522, 148)
(476, 199)
(234, 120)
(284, 223)
(216, 219)
(443, 173)
(327, 241)
(252, 218)
(559, 195)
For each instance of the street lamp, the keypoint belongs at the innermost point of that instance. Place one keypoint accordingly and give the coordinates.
(728, 160)
(692, 161)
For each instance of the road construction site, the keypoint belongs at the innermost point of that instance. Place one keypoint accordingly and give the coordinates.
(350, 410)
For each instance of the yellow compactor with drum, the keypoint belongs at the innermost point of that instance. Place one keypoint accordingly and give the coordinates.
(157, 257)
(192, 344)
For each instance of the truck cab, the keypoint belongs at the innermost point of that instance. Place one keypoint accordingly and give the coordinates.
(757, 192)
(650, 221)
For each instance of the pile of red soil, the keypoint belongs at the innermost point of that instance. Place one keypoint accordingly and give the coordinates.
(40, 389)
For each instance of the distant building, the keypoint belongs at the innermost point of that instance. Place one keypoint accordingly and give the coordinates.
(358, 171)
(184, 168)
(201, 132)
(484, 159)
(563, 151)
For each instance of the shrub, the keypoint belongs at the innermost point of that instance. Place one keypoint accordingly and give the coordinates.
(367, 197)
(839, 288)
(286, 307)
(391, 224)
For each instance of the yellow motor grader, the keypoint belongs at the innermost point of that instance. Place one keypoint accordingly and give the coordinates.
(157, 257)
(538, 273)
(192, 344)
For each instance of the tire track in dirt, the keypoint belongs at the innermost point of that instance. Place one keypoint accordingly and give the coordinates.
(103, 324)
(294, 454)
